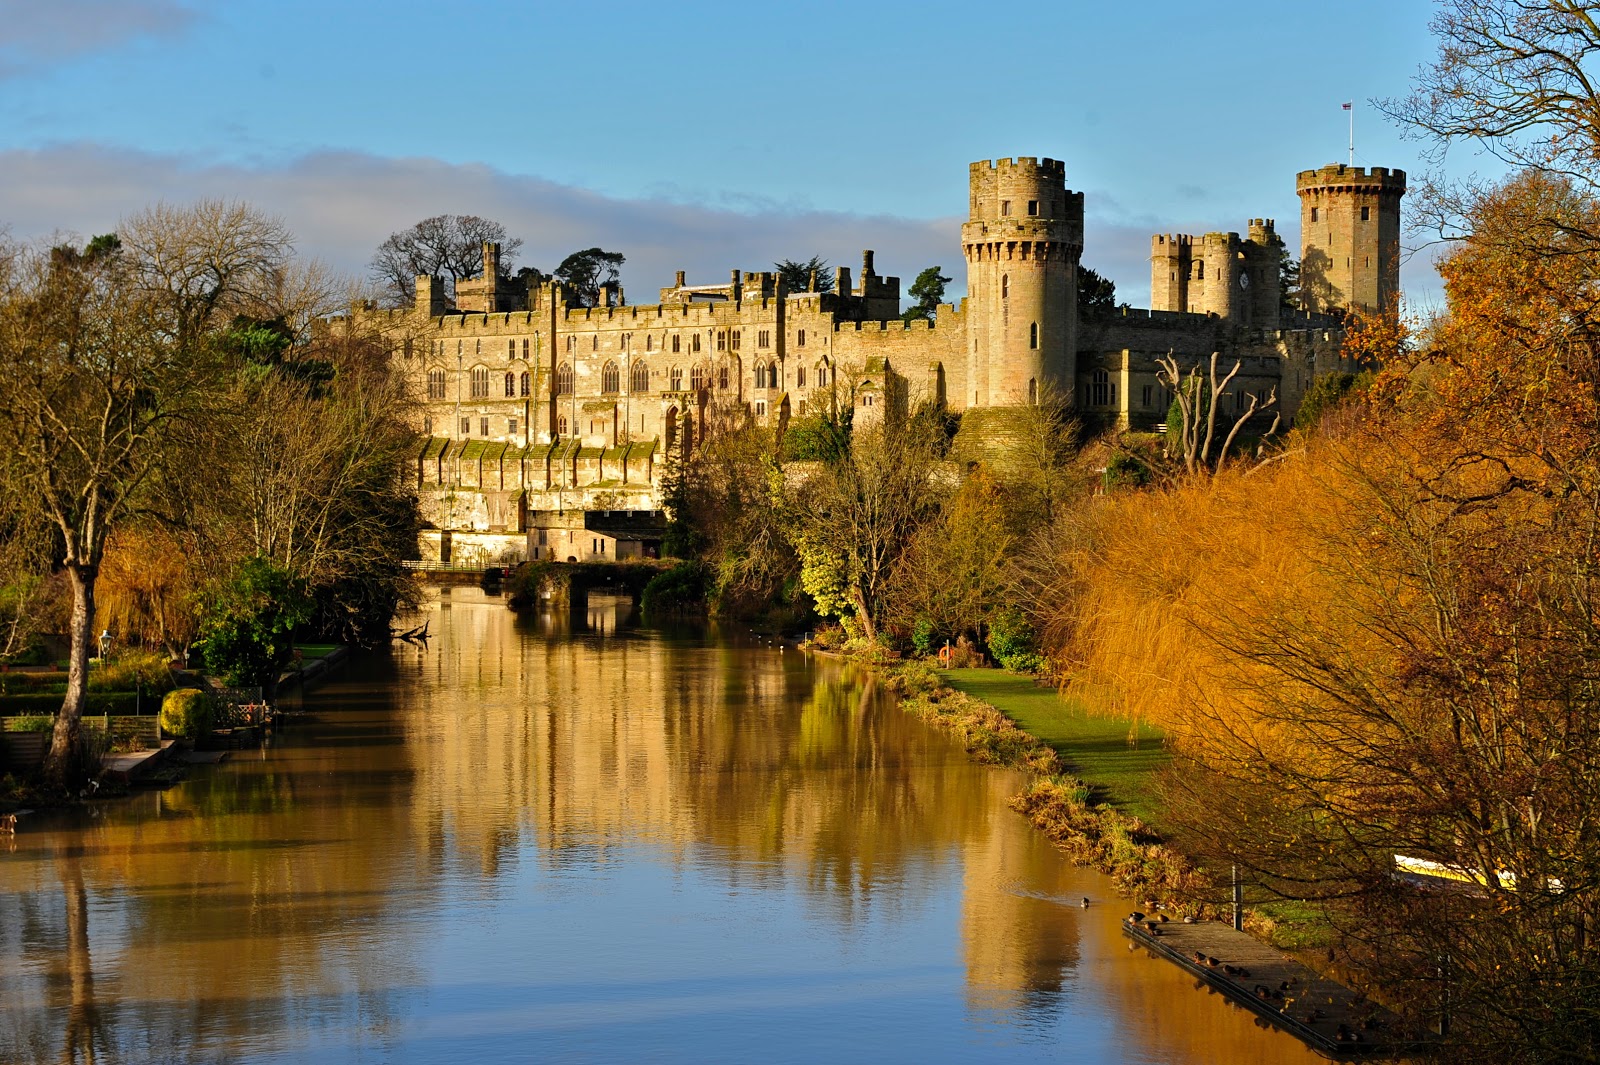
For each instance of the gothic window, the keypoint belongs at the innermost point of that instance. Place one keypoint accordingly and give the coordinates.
(511, 384)
(1100, 388)
(1033, 335)
(800, 339)
(699, 380)
(695, 346)
(511, 349)
(610, 378)
(764, 338)
(761, 376)
(674, 343)
(800, 377)
(561, 425)
(733, 341)
(525, 382)
(436, 384)
(639, 378)
(1033, 390)
(649, 341)
(822, 375)
(480, 383)
(675, 379)
(722, 340)
(564, 380)
(761, 407)
(722, 377)
(524, 351)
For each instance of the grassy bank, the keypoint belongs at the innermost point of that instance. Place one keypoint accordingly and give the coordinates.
(1076, 814)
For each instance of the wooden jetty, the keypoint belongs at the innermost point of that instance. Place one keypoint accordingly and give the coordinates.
(127, 767)
(1332, 1019)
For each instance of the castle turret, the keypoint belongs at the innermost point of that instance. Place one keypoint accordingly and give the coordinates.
(1350, 237)
(1022, 242)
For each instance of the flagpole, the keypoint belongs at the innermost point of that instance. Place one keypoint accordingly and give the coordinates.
(1351, 106)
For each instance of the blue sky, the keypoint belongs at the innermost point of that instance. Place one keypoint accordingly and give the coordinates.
(706, 136)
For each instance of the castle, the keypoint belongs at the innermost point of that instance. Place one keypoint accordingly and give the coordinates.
(542, 418)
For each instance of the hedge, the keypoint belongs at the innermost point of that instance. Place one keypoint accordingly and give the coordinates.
(98, 703)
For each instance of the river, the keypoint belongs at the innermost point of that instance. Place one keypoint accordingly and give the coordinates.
(580, 840)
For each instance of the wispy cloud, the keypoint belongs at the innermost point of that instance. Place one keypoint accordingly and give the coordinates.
(38, 33)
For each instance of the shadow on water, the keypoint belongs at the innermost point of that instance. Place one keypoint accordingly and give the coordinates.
(575, 836)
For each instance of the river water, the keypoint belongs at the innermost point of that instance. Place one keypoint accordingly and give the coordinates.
(577, 840)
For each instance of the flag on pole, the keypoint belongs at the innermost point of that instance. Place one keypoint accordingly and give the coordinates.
(1344, 107)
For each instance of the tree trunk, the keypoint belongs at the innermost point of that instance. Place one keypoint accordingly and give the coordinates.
(864, 615)
(64, 765)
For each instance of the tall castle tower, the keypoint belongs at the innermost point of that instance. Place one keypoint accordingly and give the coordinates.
(1350, 237)
(1022, 241)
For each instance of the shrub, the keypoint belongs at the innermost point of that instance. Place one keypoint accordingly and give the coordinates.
(142, 669)
(678, 591)
(248, 631)
(31, 723)
(925, 636)
(1013, 642)
(188, 712)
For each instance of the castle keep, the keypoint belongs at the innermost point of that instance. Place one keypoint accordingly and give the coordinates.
(533, 407)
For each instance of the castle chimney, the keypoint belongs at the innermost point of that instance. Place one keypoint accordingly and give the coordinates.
(866, 265)
(842, 282)
(430, 296)
(679, 281)
(812, 285)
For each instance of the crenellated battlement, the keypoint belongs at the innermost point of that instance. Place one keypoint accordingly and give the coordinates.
(1340, 176)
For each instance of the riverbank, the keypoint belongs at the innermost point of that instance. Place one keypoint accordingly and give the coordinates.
(148, 757)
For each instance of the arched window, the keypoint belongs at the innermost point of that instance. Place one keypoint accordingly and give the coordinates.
(639, 376)
(1100, 388)
(699, 379)
(649, 341)
(511, 384)
(672, 427)
(610, 378)
(436, 384)
(722, 378)
(526, 382)
(822, 375)
(1033, 335)
(1033, 390)
(561, 425)
(800, 378)
(761, 375)
(480, 383)
(675, 379)
(564, 380)
(511, 350)
(1005, 285)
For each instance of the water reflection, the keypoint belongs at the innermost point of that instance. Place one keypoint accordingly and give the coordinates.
(561, 835)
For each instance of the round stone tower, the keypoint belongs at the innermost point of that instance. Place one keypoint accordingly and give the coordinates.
(1350, 237)
(1022, 241)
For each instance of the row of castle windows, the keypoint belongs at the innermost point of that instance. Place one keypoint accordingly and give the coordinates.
(1366, 214)
(1005, 208)
(767, 375)
(726, 340)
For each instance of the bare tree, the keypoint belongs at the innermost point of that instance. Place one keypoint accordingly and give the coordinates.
(447, 246)
(1198, 402)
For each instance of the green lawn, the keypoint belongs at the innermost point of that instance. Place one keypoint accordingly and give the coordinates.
(1108, 754)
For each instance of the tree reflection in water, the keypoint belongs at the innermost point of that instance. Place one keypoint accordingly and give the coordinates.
(538, 828)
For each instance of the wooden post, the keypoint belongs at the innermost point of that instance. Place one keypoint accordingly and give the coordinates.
(1238, 902)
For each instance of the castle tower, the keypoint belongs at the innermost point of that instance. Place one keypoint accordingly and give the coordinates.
(1022, 242)
(1350, 237)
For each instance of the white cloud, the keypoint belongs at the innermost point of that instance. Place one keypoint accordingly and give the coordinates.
(343, 204)
(39, 33)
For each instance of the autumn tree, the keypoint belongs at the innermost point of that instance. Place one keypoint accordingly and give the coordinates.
(852, 518)
(446, 246)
